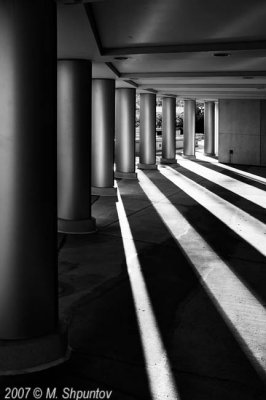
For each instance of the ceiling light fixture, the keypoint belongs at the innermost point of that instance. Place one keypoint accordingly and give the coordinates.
(121, 58)
(70, 2)
(222, 54)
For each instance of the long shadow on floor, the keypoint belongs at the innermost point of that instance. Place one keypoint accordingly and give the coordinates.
(219, 168)
(253, 169)
(241, 257)
(208, 361)
(246, 205)
(202, 349)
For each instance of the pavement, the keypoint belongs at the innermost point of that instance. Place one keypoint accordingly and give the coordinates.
(167, 299)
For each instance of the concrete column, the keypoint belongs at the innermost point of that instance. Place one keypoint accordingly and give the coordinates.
(189, 128)
(28, 200)
(125, 133)
(169, 133)
(103, 128)
(216, 129)
(74, 146)
(209, 128)
(147, 156)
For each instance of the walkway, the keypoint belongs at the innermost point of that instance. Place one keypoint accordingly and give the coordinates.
(167, 299)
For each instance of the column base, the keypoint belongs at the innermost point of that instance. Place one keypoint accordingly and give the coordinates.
(189, 157)
(104, 191)
(31, 355)
(168, 161)
(209, 154)
(83, 226)
(147, 166)
(126, 175)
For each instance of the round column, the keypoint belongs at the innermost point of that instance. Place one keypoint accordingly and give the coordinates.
(125, 133)
(74, 146)
(103, 127)
(216, 127)
(189, 128)
(147, 156)
(169, 132)
(28, 200)
(209, 128)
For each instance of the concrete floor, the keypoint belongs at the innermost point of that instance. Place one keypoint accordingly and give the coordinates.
(208, 359)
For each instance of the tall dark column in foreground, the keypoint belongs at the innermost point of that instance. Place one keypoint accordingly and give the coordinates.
(74, 146)
(209, 128)
(125, 133)
(103, 128)
(147, 156)
(28, 201)
(189, 128)
(168, 132)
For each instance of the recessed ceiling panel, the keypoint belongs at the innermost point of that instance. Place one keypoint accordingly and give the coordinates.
(126, 23)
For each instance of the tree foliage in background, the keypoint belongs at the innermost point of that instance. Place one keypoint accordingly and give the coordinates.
(159, 102)
(200, 117)
(159, 120)
(179, 121)
(179, 116)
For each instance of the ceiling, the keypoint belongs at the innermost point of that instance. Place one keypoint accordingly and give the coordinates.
(188, 48)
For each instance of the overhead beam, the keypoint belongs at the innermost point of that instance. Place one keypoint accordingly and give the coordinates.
(113, 69)
(168, 95)
(205, 86)
(132, 83)
(118, 74)
(187, 48)
(151, 90)
(77, 1)
(92, 21)
(255, 93)
(220, 95)
(191, 74)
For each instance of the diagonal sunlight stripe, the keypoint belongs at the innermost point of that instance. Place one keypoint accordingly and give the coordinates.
(244, 190)
(254, 177)
(157, 365)
(246, 226)
(245, 316)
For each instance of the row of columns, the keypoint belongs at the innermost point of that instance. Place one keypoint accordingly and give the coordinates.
(78, 137)
(190, 128)
(39, 183)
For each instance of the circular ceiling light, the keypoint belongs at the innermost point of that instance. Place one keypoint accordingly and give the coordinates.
(121, 58)
(222, 54)
(70, 2)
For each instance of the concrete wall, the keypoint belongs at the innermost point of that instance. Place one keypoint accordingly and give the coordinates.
(242, 130)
